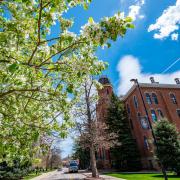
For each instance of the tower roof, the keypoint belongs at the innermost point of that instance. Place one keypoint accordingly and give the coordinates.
(104, 80)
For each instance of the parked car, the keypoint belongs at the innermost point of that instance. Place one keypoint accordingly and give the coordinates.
(59, 169)
(73, 167)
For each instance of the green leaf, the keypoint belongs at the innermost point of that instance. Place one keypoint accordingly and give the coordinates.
(131, 26)
(85, 6)
(13, 67)
(90, 20)
(128, 19)
(109, 45)
(70, 88)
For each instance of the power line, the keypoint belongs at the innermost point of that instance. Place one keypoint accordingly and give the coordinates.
(170, 66)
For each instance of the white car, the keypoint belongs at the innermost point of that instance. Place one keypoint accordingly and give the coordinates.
(73, 167)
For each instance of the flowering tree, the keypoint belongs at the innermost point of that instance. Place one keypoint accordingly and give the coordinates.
(37, 74)
(93, 134)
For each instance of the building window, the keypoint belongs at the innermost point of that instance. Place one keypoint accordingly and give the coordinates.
(153, 115)
(178, 112)
(160, 114)
(144, 122)
(128, 109)
(154, 98)
(107, 91)
(139, 116)
(135, 101)
(148, 98)
(131, 123)
(146, 144)
(173, 98)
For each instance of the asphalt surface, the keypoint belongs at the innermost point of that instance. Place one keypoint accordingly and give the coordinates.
(61, 175)
(65, 175)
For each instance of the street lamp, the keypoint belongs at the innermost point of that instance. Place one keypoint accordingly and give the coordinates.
(150, 125)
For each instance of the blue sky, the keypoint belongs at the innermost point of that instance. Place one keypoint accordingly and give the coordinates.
(140, 53)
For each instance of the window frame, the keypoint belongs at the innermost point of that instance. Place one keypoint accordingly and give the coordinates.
(154, 98)
(160, 115)
(152, 110)
(146, 143)
(128, 108)
(178, 112)
(139, 116)
(147, 122)
(173, 99)
(135, 101)
(148, 98)
(131, 123)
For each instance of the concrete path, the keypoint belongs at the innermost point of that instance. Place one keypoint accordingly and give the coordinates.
(64, 175)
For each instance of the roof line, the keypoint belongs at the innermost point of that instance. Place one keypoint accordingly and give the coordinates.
(151, 85)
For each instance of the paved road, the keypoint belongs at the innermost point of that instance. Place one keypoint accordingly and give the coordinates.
(61, 175)
(64, 175)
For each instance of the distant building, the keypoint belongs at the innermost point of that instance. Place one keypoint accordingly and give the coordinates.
(103, 154)
(160, 100)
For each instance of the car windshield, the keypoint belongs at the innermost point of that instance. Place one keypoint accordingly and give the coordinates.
(73, 164)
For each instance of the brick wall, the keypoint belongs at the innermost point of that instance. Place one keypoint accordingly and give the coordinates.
(137, 117)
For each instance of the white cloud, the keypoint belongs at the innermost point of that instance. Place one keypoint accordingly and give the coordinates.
(129, 67)
(66, 147)
(167, 23)
(134, 10)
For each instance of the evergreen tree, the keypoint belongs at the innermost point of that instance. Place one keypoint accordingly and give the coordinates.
(168, 145)
(124, 154)
(82, 154)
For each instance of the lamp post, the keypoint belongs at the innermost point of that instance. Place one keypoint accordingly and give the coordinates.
(150, 125)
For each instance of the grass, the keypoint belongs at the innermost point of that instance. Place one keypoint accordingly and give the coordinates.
(147, 176)
(32, 175)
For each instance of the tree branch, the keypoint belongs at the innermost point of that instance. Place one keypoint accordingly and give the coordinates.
(17, 90)
(39, 32)
(60, 51)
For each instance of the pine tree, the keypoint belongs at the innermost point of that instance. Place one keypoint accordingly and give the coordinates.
(124, 154)
(168, 151)
(82, 154)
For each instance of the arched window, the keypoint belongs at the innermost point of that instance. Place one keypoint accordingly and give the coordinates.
(131, 123)
(135, 101)
(128, 109)
(148, 98)
(144, 122)
(154, 98)
(178, 112)
(146, 144)
(139, 116)
(160, 113)
(153, 115)
(107, 91)
(173, 98)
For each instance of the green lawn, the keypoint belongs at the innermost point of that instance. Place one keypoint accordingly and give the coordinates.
(149, 176)
(31, 175)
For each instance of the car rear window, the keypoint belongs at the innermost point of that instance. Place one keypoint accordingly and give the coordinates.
(73, 164)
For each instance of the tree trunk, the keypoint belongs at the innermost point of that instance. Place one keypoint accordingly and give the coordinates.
(93, 162)
(164, 173)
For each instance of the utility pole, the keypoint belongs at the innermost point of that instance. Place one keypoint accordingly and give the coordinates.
(150, 125)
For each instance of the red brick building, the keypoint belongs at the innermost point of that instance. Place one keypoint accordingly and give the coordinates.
(160, 100)
(103, 155)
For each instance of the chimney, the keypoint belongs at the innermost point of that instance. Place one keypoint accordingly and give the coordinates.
(152, 80)
(177, 80)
